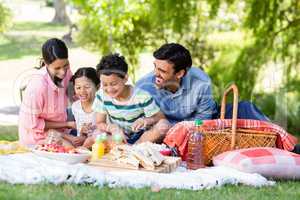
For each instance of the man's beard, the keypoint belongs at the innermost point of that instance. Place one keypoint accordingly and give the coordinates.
(168, 85)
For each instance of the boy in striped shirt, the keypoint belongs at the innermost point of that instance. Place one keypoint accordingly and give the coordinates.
(132, 112)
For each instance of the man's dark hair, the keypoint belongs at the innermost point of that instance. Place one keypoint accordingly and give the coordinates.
(176, 54)
(112, 64)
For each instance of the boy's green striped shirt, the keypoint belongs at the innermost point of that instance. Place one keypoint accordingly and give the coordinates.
(124, 114)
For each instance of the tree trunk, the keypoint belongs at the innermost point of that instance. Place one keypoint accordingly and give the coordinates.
(60, 13)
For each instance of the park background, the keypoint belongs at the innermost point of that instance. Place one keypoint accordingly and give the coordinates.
(253, 43)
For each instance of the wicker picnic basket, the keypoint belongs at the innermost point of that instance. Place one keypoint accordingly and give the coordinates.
(219, 141)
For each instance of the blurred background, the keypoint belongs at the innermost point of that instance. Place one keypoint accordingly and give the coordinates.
(253, 43)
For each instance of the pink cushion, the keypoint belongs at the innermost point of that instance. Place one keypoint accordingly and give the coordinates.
(269, 162)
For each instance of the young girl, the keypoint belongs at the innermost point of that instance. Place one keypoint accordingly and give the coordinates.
(86, 83)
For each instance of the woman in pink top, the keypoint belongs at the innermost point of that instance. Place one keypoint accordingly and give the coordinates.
(45, 101)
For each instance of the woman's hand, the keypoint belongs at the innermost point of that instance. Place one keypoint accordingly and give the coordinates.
(71, 125)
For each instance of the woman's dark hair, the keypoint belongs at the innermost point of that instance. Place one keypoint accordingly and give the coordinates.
(176, 54)
(112, 64)
(87, 72)
(53, 49)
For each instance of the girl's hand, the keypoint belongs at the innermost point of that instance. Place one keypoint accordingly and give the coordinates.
(86, 128)
(78, 141)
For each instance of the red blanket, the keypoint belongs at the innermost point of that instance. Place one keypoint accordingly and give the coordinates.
(177, 136)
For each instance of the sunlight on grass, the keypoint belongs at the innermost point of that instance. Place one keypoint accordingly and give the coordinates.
(13, 47)
(18, 43)
(39, 26)
(9, 133)
(86, 192)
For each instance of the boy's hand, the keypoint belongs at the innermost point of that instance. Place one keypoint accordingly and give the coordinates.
(139, 124)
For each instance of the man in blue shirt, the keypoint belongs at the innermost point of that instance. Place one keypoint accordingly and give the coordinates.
(182, 92)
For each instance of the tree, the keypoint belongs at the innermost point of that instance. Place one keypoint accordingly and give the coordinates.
(61, 15)
(5, 16)
(271, 29)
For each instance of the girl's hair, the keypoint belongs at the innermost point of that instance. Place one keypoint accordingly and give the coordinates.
(87, 72)
(53, 49)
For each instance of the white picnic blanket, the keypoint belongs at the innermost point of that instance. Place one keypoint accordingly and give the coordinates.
(29, 168)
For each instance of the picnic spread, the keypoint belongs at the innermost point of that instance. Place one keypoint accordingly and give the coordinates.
(30, 168)
(194, 155)
(147, 164)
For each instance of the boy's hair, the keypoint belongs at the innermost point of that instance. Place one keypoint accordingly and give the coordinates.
(112, 64)
(87, 72)
(176, 54)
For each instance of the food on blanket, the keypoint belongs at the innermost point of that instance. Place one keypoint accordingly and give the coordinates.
(55, 148)
(130, 160)
(54, 137)
(149, 150)
(145, 161)
(7, 147)
(145, 154)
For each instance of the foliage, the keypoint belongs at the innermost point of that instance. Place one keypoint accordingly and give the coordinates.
(17, 45)
(270, 33)
(111, 26)
(5, 18)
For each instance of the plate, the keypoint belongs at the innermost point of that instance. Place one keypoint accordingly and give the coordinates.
(70, 158)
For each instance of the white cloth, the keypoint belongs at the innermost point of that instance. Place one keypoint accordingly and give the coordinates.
(29, 168)
(82, 117)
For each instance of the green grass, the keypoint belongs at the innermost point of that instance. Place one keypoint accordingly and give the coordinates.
(287, 190)
(13, 47)
(39, 26)
(8, 133)
(282, 190)
(26, 39)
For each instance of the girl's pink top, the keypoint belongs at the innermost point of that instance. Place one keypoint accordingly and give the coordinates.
(42, 101)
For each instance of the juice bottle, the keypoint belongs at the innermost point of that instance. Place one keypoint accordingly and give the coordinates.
(98, 148)
(104, 140)
(195, 148)
(117, 139)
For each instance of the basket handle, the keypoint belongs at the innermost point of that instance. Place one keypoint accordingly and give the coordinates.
(235, 91)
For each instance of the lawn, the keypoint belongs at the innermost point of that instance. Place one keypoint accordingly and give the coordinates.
(26, 38)
(282, 190)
